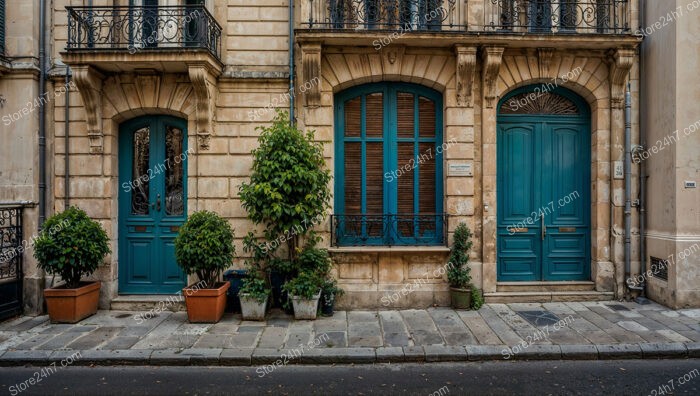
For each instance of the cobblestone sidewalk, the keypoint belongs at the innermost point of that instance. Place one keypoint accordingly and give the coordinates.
(588, 330)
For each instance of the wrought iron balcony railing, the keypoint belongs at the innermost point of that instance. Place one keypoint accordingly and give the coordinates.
(145, 28)
(527, 16)
(388, 229)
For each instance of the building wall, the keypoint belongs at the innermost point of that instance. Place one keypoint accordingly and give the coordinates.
(254, 78)
(671, 52)
(19, 176)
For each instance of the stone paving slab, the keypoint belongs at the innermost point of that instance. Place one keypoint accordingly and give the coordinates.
(588, 330)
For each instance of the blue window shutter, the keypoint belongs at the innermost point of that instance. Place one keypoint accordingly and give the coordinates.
(2, 27)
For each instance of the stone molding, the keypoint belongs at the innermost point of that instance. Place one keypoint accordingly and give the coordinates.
(205, 91)
(311, 71)
(89, 83)
(622, 61)
(492, 58)
(544, 61)
(466, 69)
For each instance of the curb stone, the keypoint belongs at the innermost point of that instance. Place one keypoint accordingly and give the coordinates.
(579, 352)
(364, 355)
(619, 351)
(664, 351)
(442, 353)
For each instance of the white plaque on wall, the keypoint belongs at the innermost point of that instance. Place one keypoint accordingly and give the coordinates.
(459, 169)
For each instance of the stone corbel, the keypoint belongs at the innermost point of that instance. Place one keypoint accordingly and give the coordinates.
(466, 68)
(311, 71)
(623, 59)
(203, 80)
(89, 83)
(544, 60)
(492, 57)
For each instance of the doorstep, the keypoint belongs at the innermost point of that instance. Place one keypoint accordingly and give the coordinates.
(146, 302)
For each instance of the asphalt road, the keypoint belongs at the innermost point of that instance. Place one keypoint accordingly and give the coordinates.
(640, 377)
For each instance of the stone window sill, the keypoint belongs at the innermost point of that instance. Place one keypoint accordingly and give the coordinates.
(390, 249)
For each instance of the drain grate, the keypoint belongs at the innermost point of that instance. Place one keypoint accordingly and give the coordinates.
(539, 318)
(618, 307)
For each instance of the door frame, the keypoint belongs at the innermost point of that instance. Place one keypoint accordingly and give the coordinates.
(124, 158)
(583, 119)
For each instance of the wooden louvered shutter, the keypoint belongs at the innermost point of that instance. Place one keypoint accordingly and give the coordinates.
(353, 157)
(2, 27)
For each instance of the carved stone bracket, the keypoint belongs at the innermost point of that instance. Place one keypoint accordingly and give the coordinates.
(544, 60)
(203, 79)
(466, 68)
(89, 83)
(623, 59)
(492, 57)
(311, 71)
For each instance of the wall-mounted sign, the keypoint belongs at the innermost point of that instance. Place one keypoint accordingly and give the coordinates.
(459, 169)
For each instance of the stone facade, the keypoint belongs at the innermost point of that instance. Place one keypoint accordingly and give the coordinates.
(224, 99)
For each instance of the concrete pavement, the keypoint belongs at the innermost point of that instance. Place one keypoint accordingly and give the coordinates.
(526, 331)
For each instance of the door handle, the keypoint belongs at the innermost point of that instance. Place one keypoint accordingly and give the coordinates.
(544, 228)
(158, 203)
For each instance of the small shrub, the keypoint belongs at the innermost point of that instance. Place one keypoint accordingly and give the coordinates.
(458, 273)
(204, 246)
(72, 245)
(477, 298)
(306, 285)
(255, 287)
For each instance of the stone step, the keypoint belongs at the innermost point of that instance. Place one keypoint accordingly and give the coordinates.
(545, 286)
(543, 296)
(145, 302)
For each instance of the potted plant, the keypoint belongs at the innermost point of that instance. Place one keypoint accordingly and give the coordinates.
(305, 291)
(329, 293)
(204, 246)
(254, 294)
(71, 245)
(458, 272)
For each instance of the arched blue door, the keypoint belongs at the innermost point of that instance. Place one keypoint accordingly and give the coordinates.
(152, 203)
(543, 186)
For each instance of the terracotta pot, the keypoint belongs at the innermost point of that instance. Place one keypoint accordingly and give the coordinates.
(72, 305)
(205, 305)
(461, 298)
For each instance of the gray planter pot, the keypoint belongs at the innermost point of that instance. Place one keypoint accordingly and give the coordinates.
(305, 308)
(251, 308)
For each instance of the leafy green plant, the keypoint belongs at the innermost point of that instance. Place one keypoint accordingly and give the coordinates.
(477, 299)
(330, 287)
(255, 287)
(458, 273)
(72, 245)
(312, 258)
(288, 190)
(204, 246)
(305, 285)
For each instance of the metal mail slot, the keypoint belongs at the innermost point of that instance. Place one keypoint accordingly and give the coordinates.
(140, 228)
(519, 229)
(567, 229)
(174, 229)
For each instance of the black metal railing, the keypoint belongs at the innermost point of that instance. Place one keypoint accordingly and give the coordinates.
(557, 16)
(405, 15)
(388, 229)
(528, 16)
(135, 29)
(11, 254)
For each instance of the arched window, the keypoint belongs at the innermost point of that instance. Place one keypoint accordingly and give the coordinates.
(388, 166)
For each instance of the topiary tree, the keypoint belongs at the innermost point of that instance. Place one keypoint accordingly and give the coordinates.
(288, 190)
(458, 273)
(204, 246)
(71, 245)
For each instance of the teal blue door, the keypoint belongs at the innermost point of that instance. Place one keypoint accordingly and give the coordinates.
(543, 187)
(152, 203)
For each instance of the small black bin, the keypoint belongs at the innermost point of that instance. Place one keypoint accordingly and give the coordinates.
(233, 304)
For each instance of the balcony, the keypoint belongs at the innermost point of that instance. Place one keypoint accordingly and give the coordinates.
(162, 37)
(497, 16)
(388, 230)
(446, 22)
